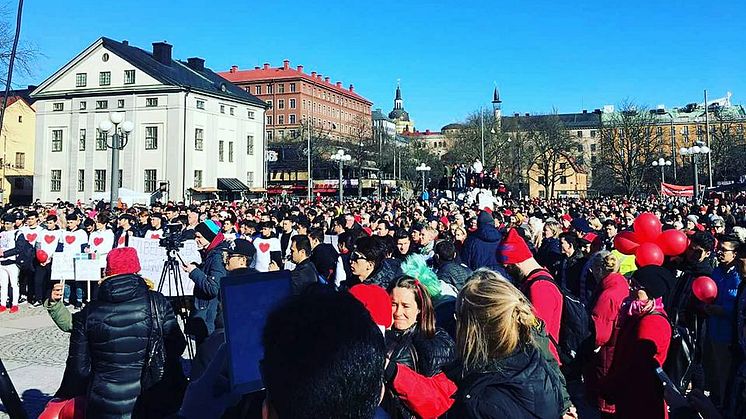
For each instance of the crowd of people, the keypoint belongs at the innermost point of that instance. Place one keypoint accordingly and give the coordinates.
(427, 309)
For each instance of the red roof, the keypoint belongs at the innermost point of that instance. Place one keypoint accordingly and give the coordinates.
(234, 75)
(13, 99)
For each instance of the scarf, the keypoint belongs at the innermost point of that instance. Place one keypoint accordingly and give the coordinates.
(634, 308)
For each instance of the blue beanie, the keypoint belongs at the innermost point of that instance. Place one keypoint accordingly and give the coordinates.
(208, 229)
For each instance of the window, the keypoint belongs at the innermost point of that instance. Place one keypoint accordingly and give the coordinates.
(580, 134)
(230, 151)
(200, 104)
(58, 106)
(220, 150)
(541, 180)
(251, 114)
(269, 119)
(129, 76)
(99, 180)
(563, 180)
(55, 180)
(281, 133)
(269, 135)
(280, 119)
(83, 105)
(102, 104)
(150, 180)
(81, 180)
(81, 80)
(580, 148)
(249, 179)
(81, 140)
(281, 104)
(56, 140)
(222, 108)
(593, 159)
(292, 119)
(197, 178)
(120, 103)
(292, 103)
(151, 138)
(104, 78)
(250, 145)
(281, 88)
(232, 111)
(593, 148)
(101, 137)
(270, 90)
(659, 131)
(199, 136)
(593, 133)
(258, 90)
(292, 87)
(563, 166)
(20, 160)
(20, 119)
(151, 102)
(269, 104)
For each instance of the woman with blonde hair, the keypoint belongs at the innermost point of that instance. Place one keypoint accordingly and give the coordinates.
(507, 371)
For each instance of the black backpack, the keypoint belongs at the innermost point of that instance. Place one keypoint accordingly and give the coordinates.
(26, 253)
(576, 329)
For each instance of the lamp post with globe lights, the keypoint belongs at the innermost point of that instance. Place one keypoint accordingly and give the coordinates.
(119, 129)
(423, 168)
(341, 158)
(698, 149)
(662, 163)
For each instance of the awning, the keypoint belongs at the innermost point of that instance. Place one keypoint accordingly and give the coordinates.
(231, 184)
(206, 189)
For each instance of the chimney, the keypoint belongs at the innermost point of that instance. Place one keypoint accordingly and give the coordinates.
(285, 64)
(266, 66)
(32, 87)
(326, 79)
(198, 64)
(313, 74)
(352, 88)
(516, 114)
(234, 68)
(162, 52)
(300, 68)
(528, 114)
(126, 42)
(256, 67)
(585, 110)
(339, 84)
(319, 77)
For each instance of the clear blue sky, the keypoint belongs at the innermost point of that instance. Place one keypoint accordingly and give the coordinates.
(542, 55)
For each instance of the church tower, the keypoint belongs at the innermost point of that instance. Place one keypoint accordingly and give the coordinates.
(497, 108)
(399, 115)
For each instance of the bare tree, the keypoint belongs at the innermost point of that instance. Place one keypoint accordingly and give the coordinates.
(628, 144)
(549, 150)
(363, 147)
(467, 142)
(26, 54)
(727, 143)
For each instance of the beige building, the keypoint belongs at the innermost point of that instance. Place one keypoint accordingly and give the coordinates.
(18, 142)
(571, 182)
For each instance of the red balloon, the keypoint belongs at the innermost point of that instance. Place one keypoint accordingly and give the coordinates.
(41, 256)
(648, 254)
(647, 227)
(672, 242)
(626, 242)
(705, 289)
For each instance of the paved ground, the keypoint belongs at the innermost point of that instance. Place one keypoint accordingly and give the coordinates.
(33, 351)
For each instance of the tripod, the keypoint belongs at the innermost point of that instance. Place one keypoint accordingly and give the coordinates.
(171, 278)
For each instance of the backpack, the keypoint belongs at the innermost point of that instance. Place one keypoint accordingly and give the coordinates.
(575, 326)
(26, 253)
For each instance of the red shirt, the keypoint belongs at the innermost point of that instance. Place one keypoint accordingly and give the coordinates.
(546, 299)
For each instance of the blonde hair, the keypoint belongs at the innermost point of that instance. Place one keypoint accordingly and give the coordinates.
(595, 223)
(494, 319)
(554, 226)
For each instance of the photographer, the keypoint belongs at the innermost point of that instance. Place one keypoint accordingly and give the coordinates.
(206, 279)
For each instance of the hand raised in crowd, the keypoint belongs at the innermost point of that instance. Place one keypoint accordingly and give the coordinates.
(57, 293)
(571, 413)
(273, 266)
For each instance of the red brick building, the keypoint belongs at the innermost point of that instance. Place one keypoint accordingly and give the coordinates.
(297, 97)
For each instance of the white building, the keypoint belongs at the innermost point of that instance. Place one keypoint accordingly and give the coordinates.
(193, 129)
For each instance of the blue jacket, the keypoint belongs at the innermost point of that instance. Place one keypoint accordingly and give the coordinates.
(480, 248)
(207, 288)
(720, 328)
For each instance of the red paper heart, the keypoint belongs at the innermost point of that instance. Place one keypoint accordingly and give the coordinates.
(98, 240)
(70, 239)
(264, 247)
(155, 236)
(121, 240)
(49, 239)
(31, 237)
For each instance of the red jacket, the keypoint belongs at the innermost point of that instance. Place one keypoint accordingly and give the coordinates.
(605, 316)
(427, 397)
(632, 383)
(546, 299)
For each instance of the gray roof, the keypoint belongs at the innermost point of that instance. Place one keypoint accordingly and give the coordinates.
(569, 120)
(378, 115)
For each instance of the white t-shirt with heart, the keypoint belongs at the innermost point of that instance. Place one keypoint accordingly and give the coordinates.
(154, 234)
(48, 240)
(101, 241)
(263, 248)
(73, 240)
(32, 234)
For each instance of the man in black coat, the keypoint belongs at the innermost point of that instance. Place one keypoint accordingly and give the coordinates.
(448, 269)
(304, 274)
(323, 255)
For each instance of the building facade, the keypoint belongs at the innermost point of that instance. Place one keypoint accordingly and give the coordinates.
(18, 145)
(193, 130)
(299, 101)
(383, 124)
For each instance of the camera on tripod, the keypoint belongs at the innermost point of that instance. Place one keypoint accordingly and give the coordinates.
(173, 238)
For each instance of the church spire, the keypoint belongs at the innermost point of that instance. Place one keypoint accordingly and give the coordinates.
(398, 102)
(496, 97)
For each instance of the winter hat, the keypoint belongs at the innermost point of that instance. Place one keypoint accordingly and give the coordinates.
(693, 218)
(514, 249)
(208, 229)
(656, 281)
(485, 218)
(581, 225)
(122, 260)
(378, 303)
(445, 221)
(566, 217)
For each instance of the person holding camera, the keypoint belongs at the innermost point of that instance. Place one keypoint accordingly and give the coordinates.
(206, 279)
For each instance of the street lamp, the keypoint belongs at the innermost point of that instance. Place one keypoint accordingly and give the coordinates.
(120, 129)
(341, 158)
(662, 163)
(423, 168)
(698, 149)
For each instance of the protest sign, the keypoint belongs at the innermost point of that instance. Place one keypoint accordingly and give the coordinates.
(87, 267)
(152, 260)
(63, 266)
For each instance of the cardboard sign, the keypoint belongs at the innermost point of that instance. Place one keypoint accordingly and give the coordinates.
(87, 267)
(153, 257)
(63, 266)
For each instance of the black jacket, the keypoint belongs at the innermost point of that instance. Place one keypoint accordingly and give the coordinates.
(108, 346)
(425, 355)
(324, 258)
(480, 248)
(303, 276)
(454, 273)
(206, 289)
(389, 270)
(522, 385)
(549, 255)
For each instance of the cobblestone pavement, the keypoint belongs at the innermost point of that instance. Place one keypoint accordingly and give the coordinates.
(33, 351)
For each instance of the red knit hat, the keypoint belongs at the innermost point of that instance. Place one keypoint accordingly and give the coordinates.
(445, 221)
(514, 249)
(122, 260)
(377, 301)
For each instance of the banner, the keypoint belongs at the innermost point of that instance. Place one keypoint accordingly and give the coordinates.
(153, 257)
(668, 189)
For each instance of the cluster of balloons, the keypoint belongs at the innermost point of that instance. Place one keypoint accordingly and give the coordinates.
(648, 242)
